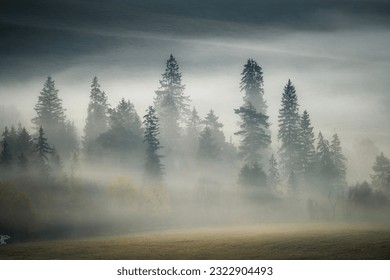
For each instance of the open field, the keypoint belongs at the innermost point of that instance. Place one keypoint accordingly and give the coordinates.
(276, 241)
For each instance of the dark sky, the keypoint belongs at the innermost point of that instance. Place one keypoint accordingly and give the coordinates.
(336, 53)
(55, 33)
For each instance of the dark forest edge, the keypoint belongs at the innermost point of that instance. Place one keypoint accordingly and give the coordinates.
(171, 167)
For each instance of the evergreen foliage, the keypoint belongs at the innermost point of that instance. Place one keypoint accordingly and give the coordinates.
(208, 149)
(307, 145)
(50, 112)
(193, 130)
(171, 104)
(97, 118)
(51, 117)
(253, 86)
(42, 150)
(125, 132)
(153, 166)
(289, 130)
(339, 160)
(254, 136)
(252, 176)
(381, 176)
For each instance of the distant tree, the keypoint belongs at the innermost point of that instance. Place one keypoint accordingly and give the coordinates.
(252, 176)
(125, 133)
(339, 161)
(24, 142)
(51, 117)
(307, 146)
(153, 166)
(6, 156)
(208, 149)
(211, 121)
(171, 104)
(171, 85)
(254, 136)
(97, 118)
(289, 130)
(381, 177)
(50, 112)
(42, 150)
(192, 131)
(274, 176)
(326, 171)
(253, 86)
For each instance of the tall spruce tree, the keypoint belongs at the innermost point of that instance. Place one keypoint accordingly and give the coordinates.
(339, 160)
(51, 117)
(50, 113)
(252, 85)
(254, 136)
(171, 104)
(153, 166)
(97, 117)
(307, 146)
(289, 130)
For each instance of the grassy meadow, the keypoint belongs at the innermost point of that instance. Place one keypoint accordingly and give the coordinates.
(272, 241)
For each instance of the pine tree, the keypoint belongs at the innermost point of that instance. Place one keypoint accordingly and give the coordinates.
(97, 118)
(289, 130)
(339, 160)
(208, 149)
(193, 130)
(325, 165)
(125, 116)
(50, 113)
(307, 145)
(274, 176)
(381, 177)
(253, 134)
(171, 85)
(171, 104)
(153, 166)
(51, 117)
(252, 84)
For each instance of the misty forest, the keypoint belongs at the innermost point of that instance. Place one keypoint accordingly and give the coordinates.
(169, 166)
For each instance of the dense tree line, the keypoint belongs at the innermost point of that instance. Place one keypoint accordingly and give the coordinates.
(170, 138)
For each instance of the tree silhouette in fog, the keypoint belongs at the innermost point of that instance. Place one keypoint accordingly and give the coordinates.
(289, 130)
(171, 104)
(153, 166)
(97, 118)
(42, 149)
(51, 117)
(252, 84)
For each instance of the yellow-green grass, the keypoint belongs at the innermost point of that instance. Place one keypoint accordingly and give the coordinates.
(278, 241)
